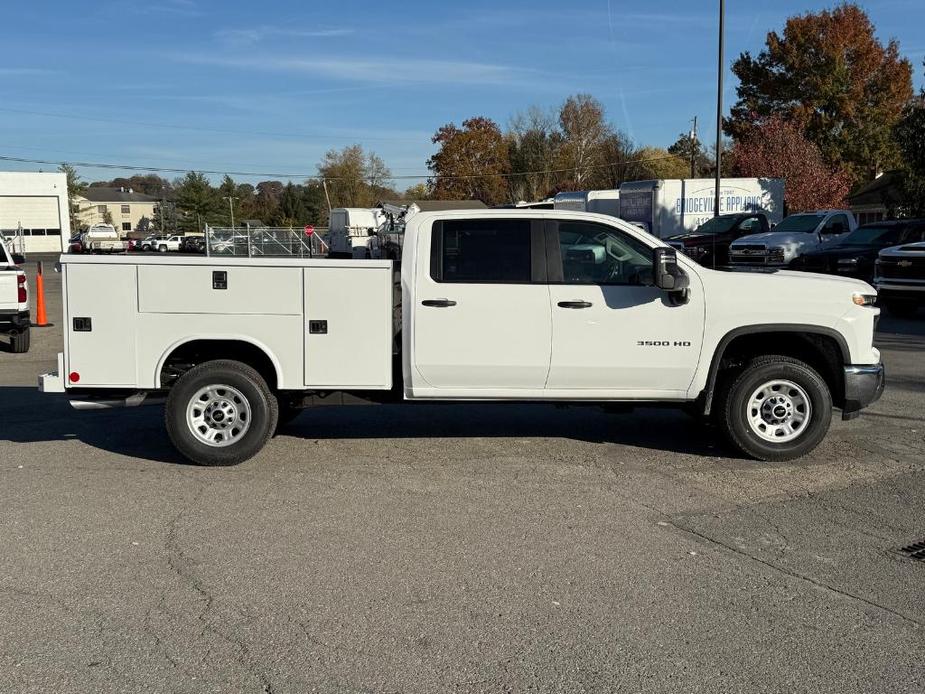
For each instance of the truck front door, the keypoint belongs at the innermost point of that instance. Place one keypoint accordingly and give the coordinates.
(613, 333)
(481, 307)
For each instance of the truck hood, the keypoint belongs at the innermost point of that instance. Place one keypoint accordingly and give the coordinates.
(777, 238)
(795, 279)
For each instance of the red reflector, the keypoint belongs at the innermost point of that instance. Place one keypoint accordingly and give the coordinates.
(21, 293)
(74, 377)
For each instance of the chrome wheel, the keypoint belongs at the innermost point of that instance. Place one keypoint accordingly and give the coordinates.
(779, 411)
(218, 415)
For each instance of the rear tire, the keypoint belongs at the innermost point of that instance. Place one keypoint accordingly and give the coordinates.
(776, 409)
(220, 413)
(19, 343)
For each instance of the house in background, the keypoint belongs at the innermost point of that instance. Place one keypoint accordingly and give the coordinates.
(121, 207)
(878, 199)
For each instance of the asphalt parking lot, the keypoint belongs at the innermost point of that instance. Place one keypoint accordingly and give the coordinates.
(459, 548)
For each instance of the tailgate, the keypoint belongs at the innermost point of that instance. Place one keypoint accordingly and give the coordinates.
(9, 292)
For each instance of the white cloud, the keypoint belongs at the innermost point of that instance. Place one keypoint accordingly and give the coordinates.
(249, 35)
(377, 71)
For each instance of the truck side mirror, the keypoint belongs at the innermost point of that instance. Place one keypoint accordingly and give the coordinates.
(18, 258)
(666, 272)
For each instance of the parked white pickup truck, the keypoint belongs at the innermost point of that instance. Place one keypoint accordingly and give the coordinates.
(14, 299)
(796, 235)
(102, 238)
(495, 305)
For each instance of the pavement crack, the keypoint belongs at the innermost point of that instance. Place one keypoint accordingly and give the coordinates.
(797, 575)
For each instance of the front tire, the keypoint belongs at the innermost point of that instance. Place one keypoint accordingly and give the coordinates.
(19, 343)
(162, 249)
(220, 413)
(776, 409)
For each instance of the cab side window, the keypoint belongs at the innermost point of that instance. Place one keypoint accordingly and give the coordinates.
(836, 225)
(482, 251)
(599, 254)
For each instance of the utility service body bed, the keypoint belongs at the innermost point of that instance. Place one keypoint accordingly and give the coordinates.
(125, 315)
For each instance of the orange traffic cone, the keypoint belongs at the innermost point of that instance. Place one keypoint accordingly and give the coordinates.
(41, 319)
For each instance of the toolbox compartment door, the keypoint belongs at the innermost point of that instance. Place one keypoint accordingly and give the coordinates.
(348, 328)
(219, 289)
(100, 324)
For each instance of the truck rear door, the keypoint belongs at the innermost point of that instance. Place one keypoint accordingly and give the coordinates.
(481, 313)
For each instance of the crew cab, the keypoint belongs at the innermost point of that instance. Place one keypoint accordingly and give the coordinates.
(709, 243)
(854, 254)
(900, 278)
(15, 320)
(795, 235)
(488, 305)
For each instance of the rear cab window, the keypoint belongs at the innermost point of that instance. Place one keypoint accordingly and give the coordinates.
(487, 251)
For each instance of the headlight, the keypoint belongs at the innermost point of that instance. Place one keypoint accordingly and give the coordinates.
(864, 299)
(777, 254)
(848, 261)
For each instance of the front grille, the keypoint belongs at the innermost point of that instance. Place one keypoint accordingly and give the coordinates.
(902, 268)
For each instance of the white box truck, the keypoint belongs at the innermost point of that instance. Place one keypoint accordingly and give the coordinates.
(675, 206)
(597, 201)
(494, 305)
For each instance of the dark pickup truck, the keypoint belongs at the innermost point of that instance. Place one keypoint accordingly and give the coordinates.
(709, 243)
(854, 254)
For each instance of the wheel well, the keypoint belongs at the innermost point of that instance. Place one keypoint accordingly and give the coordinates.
(195, 352)
(821, 351)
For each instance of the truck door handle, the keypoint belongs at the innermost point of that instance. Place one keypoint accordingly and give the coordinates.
(439, 303)
(575, 304)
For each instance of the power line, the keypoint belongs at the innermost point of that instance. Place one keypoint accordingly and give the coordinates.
(316, 177)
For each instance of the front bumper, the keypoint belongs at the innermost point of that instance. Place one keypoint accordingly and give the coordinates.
(863, 386)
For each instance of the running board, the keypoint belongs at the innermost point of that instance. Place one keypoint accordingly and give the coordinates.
(109, 403)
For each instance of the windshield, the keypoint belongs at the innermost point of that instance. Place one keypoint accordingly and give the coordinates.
(800, 223)
(717, 225)
(873, 235)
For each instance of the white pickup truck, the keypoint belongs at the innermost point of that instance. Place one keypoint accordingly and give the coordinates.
(493, 305)
(14, 299)
(797, 234)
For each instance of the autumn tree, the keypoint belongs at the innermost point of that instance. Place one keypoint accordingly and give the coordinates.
(355, 178)
(418, 191)
(777, 148)
(830, 75)
(533, 142)
(690, 149)
(584, 129)
(656, 163)
(471, 162)
(910, 138)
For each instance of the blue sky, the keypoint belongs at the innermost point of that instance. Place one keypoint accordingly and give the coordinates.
(267, 87)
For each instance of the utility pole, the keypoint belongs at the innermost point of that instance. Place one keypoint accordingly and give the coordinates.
(694, 149)
(230, 199)
(719, 104)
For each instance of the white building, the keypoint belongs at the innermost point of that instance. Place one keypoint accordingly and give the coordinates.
(34, 211)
